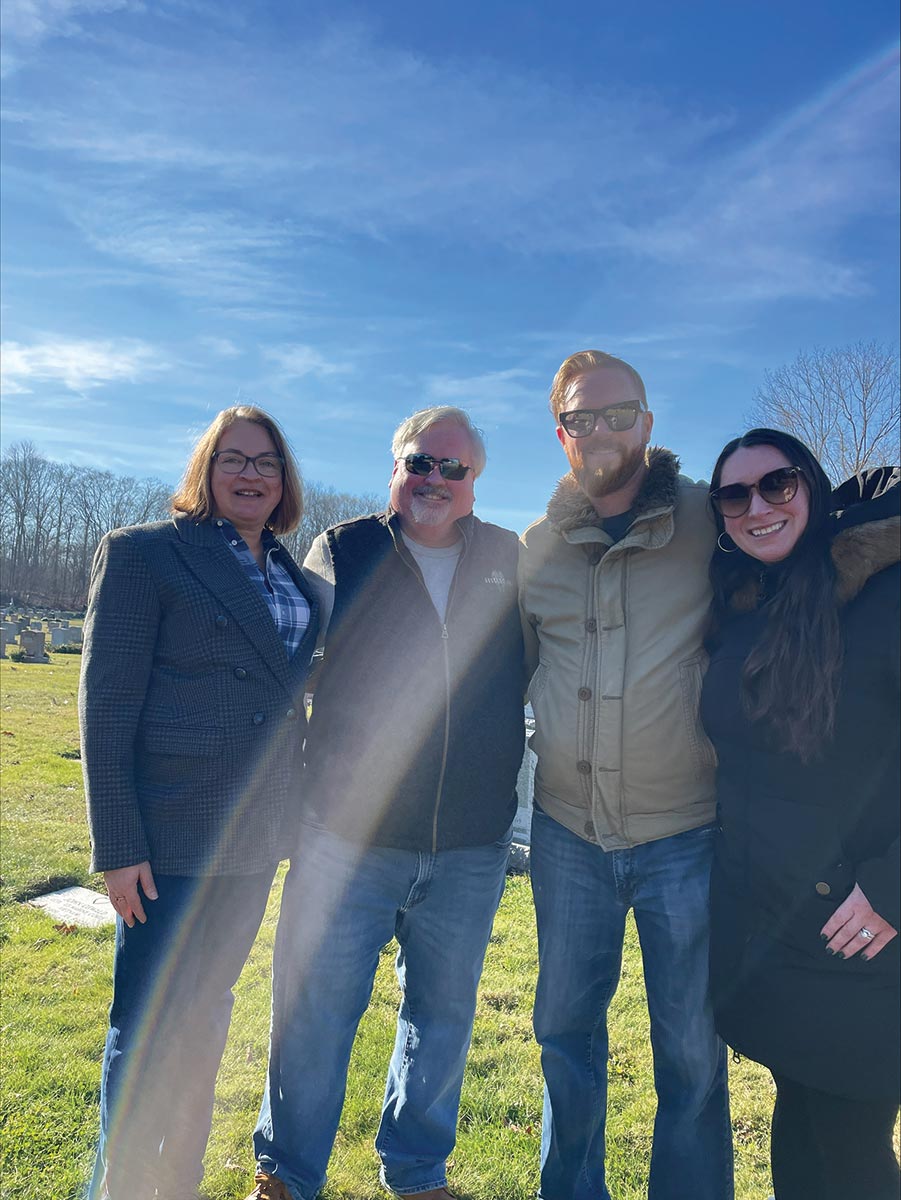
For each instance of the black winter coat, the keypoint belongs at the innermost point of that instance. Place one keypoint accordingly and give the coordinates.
(417, 731)
(794, 838)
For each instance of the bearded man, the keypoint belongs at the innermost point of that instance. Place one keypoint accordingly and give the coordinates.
(614, 594)
(414, 744)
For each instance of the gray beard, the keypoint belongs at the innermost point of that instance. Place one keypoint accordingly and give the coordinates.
(424, 512)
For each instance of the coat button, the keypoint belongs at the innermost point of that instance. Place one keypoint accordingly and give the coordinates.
(591, 625)
(240, 673)
(584, 693)
(589, 830)
(583, 767)
(258, 718)
(221, 621)
(823, 889)
(291, 714)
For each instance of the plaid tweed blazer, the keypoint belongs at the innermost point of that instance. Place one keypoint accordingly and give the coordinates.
(192, 715)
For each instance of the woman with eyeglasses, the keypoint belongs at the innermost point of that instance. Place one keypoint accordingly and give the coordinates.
(801, 701)
(198, 638)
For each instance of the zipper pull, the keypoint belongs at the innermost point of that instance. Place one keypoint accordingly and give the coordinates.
(444, 632)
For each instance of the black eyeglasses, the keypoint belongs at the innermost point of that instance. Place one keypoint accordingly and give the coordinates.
(617, 417)
(776, 487)
(233, 462)
(424, 465)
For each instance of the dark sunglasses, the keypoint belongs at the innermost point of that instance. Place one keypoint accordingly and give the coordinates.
(424, 465)
(776, 487)
(583, 421)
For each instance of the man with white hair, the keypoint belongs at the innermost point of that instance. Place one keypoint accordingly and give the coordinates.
(414, 745)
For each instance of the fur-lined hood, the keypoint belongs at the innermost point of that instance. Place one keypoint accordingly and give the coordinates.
(569, 507)
(858, 553)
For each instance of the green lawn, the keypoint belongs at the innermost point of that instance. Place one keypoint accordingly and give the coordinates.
(55, 990)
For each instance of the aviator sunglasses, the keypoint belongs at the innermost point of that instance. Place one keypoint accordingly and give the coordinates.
(424, 465)
(776, 487)
(617, 417)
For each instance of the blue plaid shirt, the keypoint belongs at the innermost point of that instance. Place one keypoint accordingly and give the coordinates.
(288, 606)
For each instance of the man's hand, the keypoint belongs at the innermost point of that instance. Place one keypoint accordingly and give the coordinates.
(122, 885)
(842, 932)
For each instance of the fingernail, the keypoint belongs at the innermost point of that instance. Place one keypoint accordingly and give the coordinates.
(828, 951)
(864, 958)
(839, 954)
(824, 937)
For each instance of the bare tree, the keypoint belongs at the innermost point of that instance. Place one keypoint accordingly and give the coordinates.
(843, 403)
(324, 507)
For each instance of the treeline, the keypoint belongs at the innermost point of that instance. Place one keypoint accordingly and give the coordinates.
(52, 515)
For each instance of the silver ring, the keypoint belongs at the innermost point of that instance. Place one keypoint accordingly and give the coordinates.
(866, 933)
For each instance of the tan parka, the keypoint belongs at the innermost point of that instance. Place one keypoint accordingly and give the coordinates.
(614, 649)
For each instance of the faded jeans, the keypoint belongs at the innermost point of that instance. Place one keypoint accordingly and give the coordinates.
(341, 905)
(582, 895)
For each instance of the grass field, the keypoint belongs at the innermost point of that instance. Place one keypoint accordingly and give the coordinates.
(55, 991)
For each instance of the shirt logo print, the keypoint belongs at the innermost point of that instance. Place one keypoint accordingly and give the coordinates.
(497, 579)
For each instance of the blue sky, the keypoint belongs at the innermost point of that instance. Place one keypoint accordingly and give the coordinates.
(344, 213)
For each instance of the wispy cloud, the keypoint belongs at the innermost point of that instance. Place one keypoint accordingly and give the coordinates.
(80, 366)
(298, 360)
(494, 397)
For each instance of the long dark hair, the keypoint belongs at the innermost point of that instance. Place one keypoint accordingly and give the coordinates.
(792, 674)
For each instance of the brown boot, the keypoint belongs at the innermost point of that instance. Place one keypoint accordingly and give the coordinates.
(269, 1187)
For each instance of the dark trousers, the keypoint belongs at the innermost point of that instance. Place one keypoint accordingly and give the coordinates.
(830, 1148)
(172, 1002)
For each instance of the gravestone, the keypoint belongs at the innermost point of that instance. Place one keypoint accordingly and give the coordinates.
(60, 637)
(32, 642)
(74, 635)
(2, 642)
(37, 626)
(76, 906)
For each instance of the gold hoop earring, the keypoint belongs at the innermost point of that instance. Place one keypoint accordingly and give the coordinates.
(725, 549)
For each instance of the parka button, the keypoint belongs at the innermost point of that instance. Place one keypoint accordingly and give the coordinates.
(258, 718)
(240, 673)
(221, 621)
(823, 889)
(584, 693)
(583, 767)
(591, 625)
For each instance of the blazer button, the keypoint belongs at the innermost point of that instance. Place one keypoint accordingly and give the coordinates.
(258, 718)
(240, 673)
(221, 621)
(584, 693)
(591, 625)
(583, 767)
(823, 889)
(291, 714)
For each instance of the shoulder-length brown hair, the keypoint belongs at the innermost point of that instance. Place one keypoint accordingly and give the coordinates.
(194, 496)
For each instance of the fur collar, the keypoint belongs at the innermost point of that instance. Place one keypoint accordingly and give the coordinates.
(858, 553)
(569, 507)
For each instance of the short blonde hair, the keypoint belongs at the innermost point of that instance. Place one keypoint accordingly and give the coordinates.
(425, 418)
(194, 496)
(583, 362)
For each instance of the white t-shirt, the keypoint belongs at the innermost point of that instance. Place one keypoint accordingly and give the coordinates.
(437, 564)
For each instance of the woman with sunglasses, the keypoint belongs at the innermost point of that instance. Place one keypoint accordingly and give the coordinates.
(801, 701)
(198, 638)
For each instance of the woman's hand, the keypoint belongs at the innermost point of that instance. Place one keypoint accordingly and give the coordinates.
(842, 932)
(122, 885)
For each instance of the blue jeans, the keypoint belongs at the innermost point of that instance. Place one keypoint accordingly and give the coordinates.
(172, 1002)
(342, 904)
(582, 894)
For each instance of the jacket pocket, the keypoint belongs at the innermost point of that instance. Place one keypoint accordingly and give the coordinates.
(691, 679)
(538, 681)
(182, 741)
